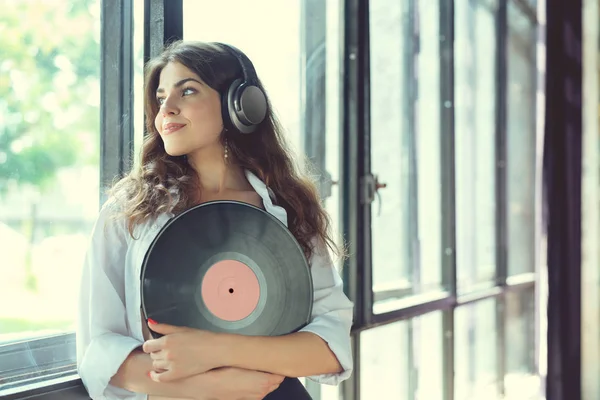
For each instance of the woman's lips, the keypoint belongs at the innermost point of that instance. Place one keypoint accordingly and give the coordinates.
(172, 127)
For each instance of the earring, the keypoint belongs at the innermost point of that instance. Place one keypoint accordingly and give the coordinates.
(226, 155)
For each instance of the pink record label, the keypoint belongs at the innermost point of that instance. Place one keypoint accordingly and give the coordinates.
(230, 290)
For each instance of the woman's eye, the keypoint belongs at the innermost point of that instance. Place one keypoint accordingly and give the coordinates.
(184, 92)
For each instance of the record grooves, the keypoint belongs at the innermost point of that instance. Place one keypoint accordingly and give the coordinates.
(227, 266)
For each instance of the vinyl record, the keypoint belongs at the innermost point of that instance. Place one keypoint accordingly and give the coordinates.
(227, 266)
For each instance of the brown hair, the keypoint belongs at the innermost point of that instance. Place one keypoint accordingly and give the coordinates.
(149, 189)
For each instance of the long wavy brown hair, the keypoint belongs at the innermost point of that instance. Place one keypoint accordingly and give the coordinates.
(160, 182)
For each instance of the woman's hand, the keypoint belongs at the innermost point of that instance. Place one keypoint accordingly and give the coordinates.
(182, 352)
(236, 384)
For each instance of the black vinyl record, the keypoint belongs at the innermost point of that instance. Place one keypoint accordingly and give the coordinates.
(227, 266)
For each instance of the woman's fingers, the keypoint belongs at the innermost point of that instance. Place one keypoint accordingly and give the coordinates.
(160, 365)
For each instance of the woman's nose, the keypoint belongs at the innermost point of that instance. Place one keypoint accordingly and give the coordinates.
(169, 107)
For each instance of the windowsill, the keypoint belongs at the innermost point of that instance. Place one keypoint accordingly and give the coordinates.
(69, 387)
(31, 368)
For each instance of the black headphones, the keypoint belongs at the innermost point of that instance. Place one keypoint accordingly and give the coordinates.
(244, 104)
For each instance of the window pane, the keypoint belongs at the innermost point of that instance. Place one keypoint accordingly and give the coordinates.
(403, 360)
(49, 180)
(266, 24)
(405, 143)
(428, 148)
(521, 379)
(389, 133)
(475, 136)
(521, 151)
(49, 160)
(475, 351)
(300, 25)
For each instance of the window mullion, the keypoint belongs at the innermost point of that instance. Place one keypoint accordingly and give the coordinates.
(116, 106)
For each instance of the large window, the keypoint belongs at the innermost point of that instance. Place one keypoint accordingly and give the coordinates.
(418, 115)
(450, 141)
(49, 174)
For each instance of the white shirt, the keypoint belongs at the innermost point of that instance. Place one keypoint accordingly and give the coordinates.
(109, 318)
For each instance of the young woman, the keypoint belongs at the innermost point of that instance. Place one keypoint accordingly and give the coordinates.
(211, 135)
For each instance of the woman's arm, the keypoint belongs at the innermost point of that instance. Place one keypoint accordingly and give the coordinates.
(215, 384)
(294, 355)
(103, 339)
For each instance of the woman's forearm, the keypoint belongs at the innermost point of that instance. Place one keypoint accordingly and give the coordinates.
(295, 355)
(133, 376)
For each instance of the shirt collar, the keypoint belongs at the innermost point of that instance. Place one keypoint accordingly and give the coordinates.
(267, 196)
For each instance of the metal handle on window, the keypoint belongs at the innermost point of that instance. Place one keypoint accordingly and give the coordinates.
(370, 189)
(377, 187)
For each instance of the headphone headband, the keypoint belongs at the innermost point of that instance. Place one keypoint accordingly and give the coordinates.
(245, 63)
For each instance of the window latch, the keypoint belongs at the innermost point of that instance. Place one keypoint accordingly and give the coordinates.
(370, 187)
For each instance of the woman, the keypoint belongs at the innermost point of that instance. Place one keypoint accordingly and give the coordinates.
(202, 146)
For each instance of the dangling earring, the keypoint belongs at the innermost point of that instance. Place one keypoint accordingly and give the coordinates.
(226, 155)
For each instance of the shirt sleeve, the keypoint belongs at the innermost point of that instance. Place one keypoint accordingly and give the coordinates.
(331, 315)
(102, 336)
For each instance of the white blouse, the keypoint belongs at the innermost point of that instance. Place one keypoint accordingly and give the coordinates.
(109, 317)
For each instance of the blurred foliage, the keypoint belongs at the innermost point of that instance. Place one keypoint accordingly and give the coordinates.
(49, 88)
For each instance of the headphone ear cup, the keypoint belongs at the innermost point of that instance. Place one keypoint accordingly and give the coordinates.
(244, 106)
(251, 104)
(227, 106)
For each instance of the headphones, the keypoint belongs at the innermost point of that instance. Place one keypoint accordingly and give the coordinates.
(244, 104)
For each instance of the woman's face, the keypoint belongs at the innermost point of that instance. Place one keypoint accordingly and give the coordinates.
(189, 116)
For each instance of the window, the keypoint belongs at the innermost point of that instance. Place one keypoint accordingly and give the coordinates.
(427, 150)
(49, 178)
(390, 78)
(278, 70)
(475, 138)
(402, 360)
(521, 378)
(475, 362)
(521, 141)
(405, 151)
(590, 222)
(441, 116)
